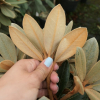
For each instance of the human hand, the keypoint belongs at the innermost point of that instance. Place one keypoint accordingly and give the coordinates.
(25, 80)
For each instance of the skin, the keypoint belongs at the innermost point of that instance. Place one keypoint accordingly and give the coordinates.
(26, 81)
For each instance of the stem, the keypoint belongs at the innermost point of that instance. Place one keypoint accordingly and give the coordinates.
(48, 83)
(54, 1)
(74, 91)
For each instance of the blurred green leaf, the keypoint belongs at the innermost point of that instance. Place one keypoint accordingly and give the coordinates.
(7, 12)
(7, 48)
(1, 59)
(50, 3)
(14, 5)
(39, 6)
(16, 2)
(39, 2)
(0, 25)
(20, 55)
(4, 20)
(64, 74)
(4, 29)
(23, 8)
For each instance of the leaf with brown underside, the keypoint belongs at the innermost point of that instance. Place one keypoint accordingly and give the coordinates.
(7, 48)
(68, 27)
(2, 70)
(67, 46)
(93, 95)
(33, 32)
(91, 50)
(80, 63)
(78, 85)
(54, 29)
(94, 74)
(23, 43)
(6, 64)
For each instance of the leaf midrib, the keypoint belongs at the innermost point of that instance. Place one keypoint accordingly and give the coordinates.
(28, 46)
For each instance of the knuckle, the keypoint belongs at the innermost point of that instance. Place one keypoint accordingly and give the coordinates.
(41, 73)
(31, 65)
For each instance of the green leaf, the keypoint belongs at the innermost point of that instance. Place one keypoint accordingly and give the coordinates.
(7, 12)
(20, 55)
(4, 20)
(4, 29)
(1, 75)
(0, 25)
(7, 48)
(1, 59)
(15, 5)
(39, 6)
(50, 3)
(17, 2)
(91, 50)
(39, 2)
(64, 74)
(80, 63)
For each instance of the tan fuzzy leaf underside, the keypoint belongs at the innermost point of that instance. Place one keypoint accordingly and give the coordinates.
(80, 63)
(91, 50)
(93, 95)
(54, 29)
(33, 32)
(23, 43)
(6, 64)
(67, 47)
(94, 74)
(18, 27)
(79, 85)
(73, 70)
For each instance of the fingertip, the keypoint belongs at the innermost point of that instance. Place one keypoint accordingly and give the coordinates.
(54, 77)
(56, 67)
(54, 87)
(37, 62)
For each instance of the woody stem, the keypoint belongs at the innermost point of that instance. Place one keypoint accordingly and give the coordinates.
(48, 83)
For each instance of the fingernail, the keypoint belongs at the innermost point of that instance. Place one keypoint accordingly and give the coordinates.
(48, 61)
(58, 88)
(58, 79)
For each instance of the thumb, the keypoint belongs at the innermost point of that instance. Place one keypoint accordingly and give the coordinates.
(43, 69)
